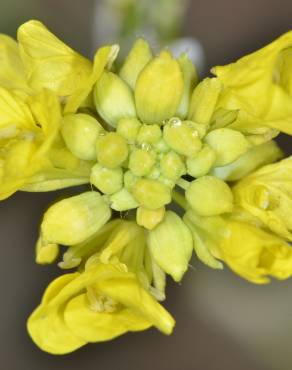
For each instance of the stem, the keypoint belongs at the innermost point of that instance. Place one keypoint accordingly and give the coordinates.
(184, 184)
(179, 199)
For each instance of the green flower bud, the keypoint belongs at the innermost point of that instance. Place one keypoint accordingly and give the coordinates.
(209, 196)
(149, 134)
(141, 161)
(190, 77)
(154, 173)
(136, 60)
(149, 218)
(129, 180)
(46, 253)
(80, 132)
(123, 200)
(171, 245)
(151, 194)
(112, 150)
(181, 137)
(172, 166)
(74, 219)
(107, 180)
(159, 89)
(161, 146)
(128, 128)
(113, 98)
(201, 164)
(228, 145)
(203, 100)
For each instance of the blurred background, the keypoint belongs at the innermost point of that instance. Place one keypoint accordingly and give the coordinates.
(223, 322)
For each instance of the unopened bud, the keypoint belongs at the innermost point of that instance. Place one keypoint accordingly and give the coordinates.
(80, 132)
(113, 98)
(209, 196)
(149, 218)
(112, 150)
(74, 219)
(107, 180)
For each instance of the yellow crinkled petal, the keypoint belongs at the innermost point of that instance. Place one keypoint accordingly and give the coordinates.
(46, 325)
(12, 74)
(14, 112)
(95, 326)
(267, 195)
(258, 85)
(255, 254)
(49, 63)
(126, 290)
(52, 333)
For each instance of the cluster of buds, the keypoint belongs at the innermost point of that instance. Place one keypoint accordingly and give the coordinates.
(175, 166)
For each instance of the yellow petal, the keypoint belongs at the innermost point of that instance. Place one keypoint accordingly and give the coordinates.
(100, 326)
(49, 63)
(12, 74)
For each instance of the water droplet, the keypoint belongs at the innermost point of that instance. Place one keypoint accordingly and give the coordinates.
(195, 133)
(145, 146)
(165, 122)
(175, 122)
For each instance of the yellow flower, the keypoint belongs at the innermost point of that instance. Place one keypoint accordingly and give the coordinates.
(267, 195)
(109, 297)
(255, 254)
(239, 241)
(258, 87)
(28, 131)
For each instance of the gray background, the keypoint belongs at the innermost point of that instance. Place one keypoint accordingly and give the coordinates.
(223, 322)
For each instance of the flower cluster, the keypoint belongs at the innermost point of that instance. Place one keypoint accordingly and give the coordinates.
(146, 136)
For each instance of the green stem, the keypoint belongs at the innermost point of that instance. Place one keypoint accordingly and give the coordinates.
(179, 199)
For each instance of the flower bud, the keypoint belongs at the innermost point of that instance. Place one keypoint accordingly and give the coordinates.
(228, 145)
(172, 166)
(151, 194)
(209, 196)
(138, 57)
(128, 128)
(141, 161)
(46, 253)
(149, 218)
(74, 219)
(123, 200)
(181, 137)
(149, 134)
(107, 180)
(171, 245)
(203, 100)
(80, 132)
(201, 164)
(159, 89)
(129, 180)
(113, 98)
(190, 78)
(112, 150)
